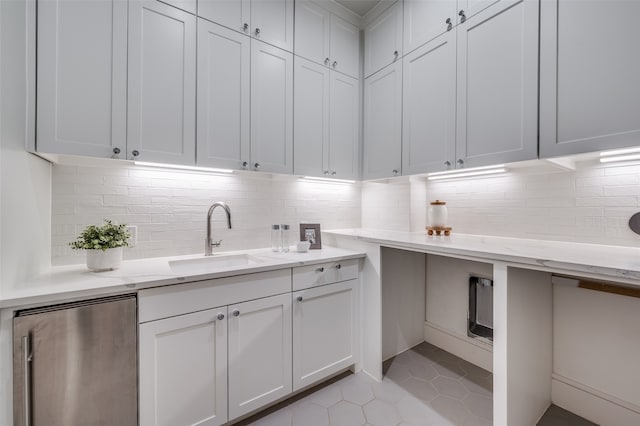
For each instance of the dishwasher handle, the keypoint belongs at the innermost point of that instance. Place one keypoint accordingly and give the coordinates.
(27, 357)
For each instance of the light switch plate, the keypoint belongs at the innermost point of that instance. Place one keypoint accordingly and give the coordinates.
(133, 232)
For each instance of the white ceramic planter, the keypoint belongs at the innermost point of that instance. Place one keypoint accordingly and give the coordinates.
(104, 260)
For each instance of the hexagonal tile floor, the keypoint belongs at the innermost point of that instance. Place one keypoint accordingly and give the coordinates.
(424, 386)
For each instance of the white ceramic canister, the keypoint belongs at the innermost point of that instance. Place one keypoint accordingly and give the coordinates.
(438, 214)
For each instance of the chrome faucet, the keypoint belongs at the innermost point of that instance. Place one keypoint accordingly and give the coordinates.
(209, 243)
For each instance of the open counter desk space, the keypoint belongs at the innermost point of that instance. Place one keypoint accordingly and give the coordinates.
(531, 353)
(64, 283)
(615, 262)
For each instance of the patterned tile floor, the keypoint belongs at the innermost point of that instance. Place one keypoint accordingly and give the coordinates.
(424, 386)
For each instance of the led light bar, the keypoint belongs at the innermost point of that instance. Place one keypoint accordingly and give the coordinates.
(321, 179)
(618, 158)
(620, 152)
(476, 171)
(181, 167)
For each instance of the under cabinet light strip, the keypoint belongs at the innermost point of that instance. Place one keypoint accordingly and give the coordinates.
(460, 171)
(619, 158)
(181, 167)
(468, 174)
(620, 152)
(320, 179)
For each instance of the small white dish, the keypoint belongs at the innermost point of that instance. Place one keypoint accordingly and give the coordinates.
(303, 246)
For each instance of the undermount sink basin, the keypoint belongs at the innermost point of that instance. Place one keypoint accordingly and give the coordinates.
(211, 263)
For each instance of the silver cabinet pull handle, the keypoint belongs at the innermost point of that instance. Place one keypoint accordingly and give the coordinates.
(335, 64)
(326, 172)
(27, 357)
(220, 316)
(463, 17)
(395, 171)
(299, 298)
(256, 166)
(257, 31)
(460, 161)
(116, 150)
(135, 153)
(396, 54)
(244, 164)
(447, 163)
(326, 61)
(245, 27)
(449, 24)
(338, 266)
(320, 269)
(333, 173)
(236, 313)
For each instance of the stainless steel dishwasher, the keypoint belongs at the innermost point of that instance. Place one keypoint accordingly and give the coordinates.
(75, 364)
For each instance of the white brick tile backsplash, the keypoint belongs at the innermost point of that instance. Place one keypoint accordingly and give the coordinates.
(169, 207)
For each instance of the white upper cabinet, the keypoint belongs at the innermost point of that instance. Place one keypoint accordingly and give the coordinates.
(223, 127)
(383, 123)
(162, 83)
(326, 122)
(383, 40)
(260, 365)
(497, 108)
(271, 109)
(429, 111)
(183, 370)
(345, 46)
(589, 65)
(327, 39)
(268, 20)
(186, 5)
(311, 124)
(82, 77)
(424, 20)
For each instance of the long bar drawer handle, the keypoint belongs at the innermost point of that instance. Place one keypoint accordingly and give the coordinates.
(27, 358)
(320, 269)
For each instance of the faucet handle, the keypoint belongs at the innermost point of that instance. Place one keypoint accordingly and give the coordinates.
(216, 243)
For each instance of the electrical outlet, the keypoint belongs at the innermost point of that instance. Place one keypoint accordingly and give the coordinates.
(133, 232)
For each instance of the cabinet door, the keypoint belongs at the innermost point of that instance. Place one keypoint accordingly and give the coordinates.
(272, 22)
(271, 109)
(311, 118)
(429, 112)
(82, 77)
(312, 32)
(589, 65)
(183, 370)
(383, 123)
(345, 47)
(344, 114)
(259, 353)
(424, 20)
(234, 14)
(383, 40)
(223, 96)
(321, 315)
(498, 85)
(162, 83)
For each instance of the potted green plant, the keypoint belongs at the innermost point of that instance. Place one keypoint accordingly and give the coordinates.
(103, 245)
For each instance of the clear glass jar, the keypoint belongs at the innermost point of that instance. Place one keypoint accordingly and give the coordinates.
(286, 238)
(276, 238)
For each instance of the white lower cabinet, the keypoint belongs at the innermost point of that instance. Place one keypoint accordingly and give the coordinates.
(259, 353)
(183, 370)
(323, 332)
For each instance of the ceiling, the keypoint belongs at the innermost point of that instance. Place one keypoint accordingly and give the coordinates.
(359, 7)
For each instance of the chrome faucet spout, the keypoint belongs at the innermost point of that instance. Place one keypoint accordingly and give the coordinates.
(209, 243)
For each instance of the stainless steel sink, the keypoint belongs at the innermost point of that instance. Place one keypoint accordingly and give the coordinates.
(211, 264)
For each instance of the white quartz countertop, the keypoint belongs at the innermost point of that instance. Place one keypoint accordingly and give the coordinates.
(603, 260)
(76, 281)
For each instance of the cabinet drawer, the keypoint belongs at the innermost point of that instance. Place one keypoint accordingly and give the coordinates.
(180, 299)
(324, 273)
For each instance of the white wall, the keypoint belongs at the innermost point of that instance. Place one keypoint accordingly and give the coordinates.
(25, 195)
(170, 207)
